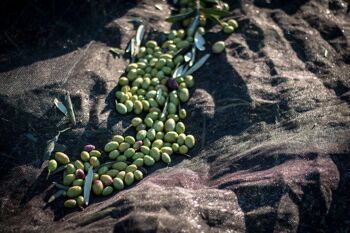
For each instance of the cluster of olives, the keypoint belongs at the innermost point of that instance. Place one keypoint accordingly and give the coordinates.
(149, 86)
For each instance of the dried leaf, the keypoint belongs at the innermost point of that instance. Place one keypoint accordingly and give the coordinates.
(180, 17)
(56, 195)
(71, 114)
(116, 51)
(199, 41)
(198, 65)
(87, 185)
(159, 7)
(60, 106)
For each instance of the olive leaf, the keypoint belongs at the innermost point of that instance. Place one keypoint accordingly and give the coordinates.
(193, 58)
(60, 106)
(215, 12)
(159, 94)
(180, 17)
(159, 7)
(51, 145)
(198, 65)
(59, 169)
(106, 164)
(139, 36)
(71, 114)
(194, 24)
(56, 195)
(133, 49)
(215, 19)
(162, 116)
(87, 185)
(188, 56)
(128, 49)
(199, 41)
(136, 20)
(60, 186)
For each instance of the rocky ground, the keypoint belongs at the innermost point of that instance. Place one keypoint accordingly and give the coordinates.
(271, 116)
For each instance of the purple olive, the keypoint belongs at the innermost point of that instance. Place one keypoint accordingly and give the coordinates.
(89, 148)
(172, 84)
(137, 145)
(79, 174)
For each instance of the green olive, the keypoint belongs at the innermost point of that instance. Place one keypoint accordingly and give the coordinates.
(113, 145)
(151, 134)
(70, 169)
(119, 166)
(190, 141)
(129, 178)
(79, 165)
(121, 175)
(123, 146)
(130, 140)
(148, 160)
(181, 139)
(167, 149)
(52, 165)
(121, 108)
(170, 136)
(182, 113)
(218, 47)
(141, 127)
(118, 183)
(121, 158)
(147, 142)
(148, 122)
(129, 152)
(80, 200)
(157, 143)
(74, 191)
(95, 153)
(138, 107)
(113, 154)
(85, 156)
(145, 149)
(155, 153)
(97, 187)
(138, 162)
(94, 162)
(107, 191)
(175, 147)
(68, 179)
(103, 170)
(78, 182)
(166, 158)
(141, 135)
(228, 29)
(159, 135)
(183, 94)
(183, 149)
(106, 179)
(118, 138)
(233, 23)
(62, 158)
(169, 125)
(112, 173)
(70, 203)
(138, 175)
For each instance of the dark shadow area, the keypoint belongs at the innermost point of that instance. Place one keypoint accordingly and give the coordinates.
(290, 7)
(33, 30)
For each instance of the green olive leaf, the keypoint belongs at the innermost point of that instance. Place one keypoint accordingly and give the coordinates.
(180, 17)
(215, 19)
(59, 169)
(188, 56)
(193, 58)
(56, 195)
(198, 64)
(60, 186)
(87, 185)
(194, 24)
(215, 12)
(139, 35)
(159, 94)
(199, 41)
(162, 116)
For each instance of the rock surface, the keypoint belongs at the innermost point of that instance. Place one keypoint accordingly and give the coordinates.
(271, 117)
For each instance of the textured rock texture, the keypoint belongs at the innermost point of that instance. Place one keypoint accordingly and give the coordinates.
(271, 117)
